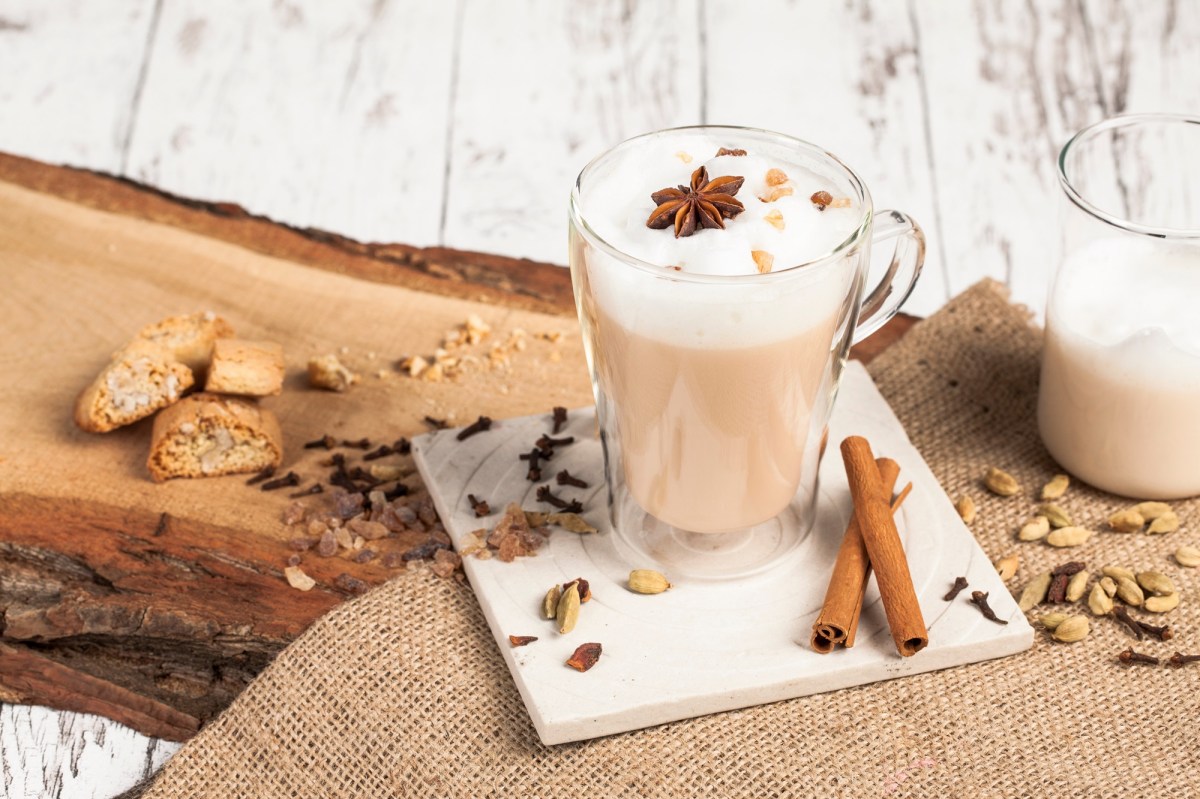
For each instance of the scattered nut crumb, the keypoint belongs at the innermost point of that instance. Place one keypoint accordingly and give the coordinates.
(776, 177)
(684, 157)
(775, 193)
(775, 219)
(298, 579)
(763, 260)
(326, 371)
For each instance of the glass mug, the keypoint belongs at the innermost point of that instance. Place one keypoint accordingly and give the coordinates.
(713, 391)
(1119, 400)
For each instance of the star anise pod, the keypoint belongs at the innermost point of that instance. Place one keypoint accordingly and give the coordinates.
(704, 204)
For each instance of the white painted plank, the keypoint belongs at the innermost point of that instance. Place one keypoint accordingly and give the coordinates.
(68, 77)
(1007, 86)
(47, 753)
(843, 75)
(1148, 54)
(330, 115)
(543, 87)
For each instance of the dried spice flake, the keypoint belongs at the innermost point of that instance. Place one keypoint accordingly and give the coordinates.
(585, 656)
(521, 640)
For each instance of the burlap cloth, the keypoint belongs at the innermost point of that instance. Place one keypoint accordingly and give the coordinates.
(402, 692)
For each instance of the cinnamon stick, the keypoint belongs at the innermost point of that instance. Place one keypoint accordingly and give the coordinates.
(882, 539)
(838, 619)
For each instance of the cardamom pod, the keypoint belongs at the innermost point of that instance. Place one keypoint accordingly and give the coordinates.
(1035, 591)
(966, 509)
(1117, 572)
(1126, 521)
(1188, 556)
(1155, 583)
(1166, 523)
(1052, 620)
(1151, 510)
(1130, 592)
(1071, 629)
(568, 609)
(1068, 537)
(550, 603)
(1077, 586)
(1108, 585)
(1001, 483)
(1161, 604)
(1055, 515)
(1056, 487)
(1035, 529)
(1007, 566)
(647, 581)
(1099, 602)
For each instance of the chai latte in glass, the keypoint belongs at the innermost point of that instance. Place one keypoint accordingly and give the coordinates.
(713, 397)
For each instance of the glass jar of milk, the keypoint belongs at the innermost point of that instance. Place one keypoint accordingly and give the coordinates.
(1119, 402)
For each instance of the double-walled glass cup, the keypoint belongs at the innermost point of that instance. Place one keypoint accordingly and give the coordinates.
(1119, 401)
(713, 391)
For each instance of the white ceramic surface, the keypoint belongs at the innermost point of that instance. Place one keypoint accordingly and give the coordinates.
(704, 647)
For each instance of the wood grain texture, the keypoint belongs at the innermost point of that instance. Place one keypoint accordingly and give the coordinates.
(326, 114)
(534, 102)
(69, 78)
(860, 58)
(514, 283)
(1008, 85)
(46, 754)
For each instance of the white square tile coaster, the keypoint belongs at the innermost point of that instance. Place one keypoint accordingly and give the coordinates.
(705, 647)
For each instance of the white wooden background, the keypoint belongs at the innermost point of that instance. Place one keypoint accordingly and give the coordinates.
(463, 123)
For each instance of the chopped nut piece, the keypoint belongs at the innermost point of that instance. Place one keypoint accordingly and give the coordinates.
(775, 193)
(521, 640)
(821, 200)
(728, 151)
(327, 372)
(841, 202)
(775, 220)
(763, 260)
(776, 177)
(298, 579)
(585, 656)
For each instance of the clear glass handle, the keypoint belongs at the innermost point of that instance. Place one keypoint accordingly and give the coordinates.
(901, 277)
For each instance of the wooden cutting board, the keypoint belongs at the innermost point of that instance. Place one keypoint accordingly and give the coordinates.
(155, 604)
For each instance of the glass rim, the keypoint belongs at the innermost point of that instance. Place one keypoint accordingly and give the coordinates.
(1083, 204)
(664, 272)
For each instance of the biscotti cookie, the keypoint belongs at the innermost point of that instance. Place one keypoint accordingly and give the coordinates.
(252, 368)
(141, 378)
(206, 435)
(189, 337)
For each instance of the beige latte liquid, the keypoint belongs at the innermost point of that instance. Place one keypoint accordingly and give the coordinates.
(713, 438)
